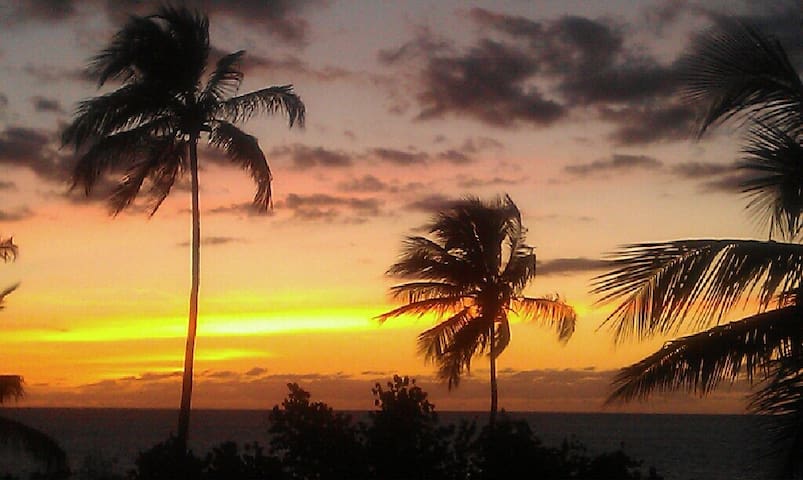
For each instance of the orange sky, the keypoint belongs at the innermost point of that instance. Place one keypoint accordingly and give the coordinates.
(409, 105)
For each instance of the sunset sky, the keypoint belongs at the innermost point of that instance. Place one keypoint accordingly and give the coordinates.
(568, 106)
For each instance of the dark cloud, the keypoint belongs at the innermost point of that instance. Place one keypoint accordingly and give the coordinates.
(563, 266)
(617, 163)
(212, 241)
(366, 183)
(16, 215)
(456, 157)
(256, 371)
(399, 157)
(291, 65)
(431, 203)
(51, 105)
(3, 101)
(474, 182)
(240, 209)
(305, 157)
(55, 74)
(39, 10)
(697, 170)
(641, 125)
(32, 148)
(4, 185)
(491, 83)
(323, 207)
(732, 182)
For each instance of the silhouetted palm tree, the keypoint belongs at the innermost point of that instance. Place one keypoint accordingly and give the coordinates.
(8, 253)
(471, 275)
(735, 71)
(150, 126)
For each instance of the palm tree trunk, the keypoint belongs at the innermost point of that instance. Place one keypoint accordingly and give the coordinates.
(189, 352)
(494, 392)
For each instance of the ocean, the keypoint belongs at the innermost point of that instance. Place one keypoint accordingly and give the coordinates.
(680, 447)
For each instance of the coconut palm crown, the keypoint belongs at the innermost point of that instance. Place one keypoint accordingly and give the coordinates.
(471, 274)
(736, 72)
(149, 127)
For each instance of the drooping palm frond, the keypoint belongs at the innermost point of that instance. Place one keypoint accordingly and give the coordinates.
(39, 445)
(699, 362)
(8, 250)
(129, 106)
(501, 334)
(244, 150)
(520, 269)
(225, 81)
(733, 69)
(780, 398)
(774, 161)
(663, 285)
(439, 306)
(423, 258)
(433, 343)
(268, 100)
(11, 387)
(415, 291)
(5, 292)
(468, 341)
(552, 312)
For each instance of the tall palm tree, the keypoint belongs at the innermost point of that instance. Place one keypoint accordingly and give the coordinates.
(151, 125)
(738, 73)
(471, 275)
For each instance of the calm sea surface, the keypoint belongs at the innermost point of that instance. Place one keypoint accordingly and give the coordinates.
(680, 447)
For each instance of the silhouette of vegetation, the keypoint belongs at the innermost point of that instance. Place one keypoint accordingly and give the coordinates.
(151, 125)
(471, 275)
(14, 434)
(401, 439)
(735, 72)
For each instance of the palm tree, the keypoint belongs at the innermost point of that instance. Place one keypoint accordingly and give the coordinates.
(471, 275)
(8, 253)
(737, 73)
(151, 125)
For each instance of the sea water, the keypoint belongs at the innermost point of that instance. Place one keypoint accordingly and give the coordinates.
(680, 447)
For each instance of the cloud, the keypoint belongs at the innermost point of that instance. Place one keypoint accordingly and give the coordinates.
(431, 203)
(244, 208)
(617, 163)
(213, 240)
(4, 185)
(366, 183)
(474, 182)
(31, 148)
(51, 105)
(399, 157)
(16, 215)
(696, 170)
(55, 74)
(564, 266)
(39, 10)
(640, 125)
(305, 157)
(323, 207)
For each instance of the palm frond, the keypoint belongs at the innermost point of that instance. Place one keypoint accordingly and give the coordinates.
(775, 183)
(8, 250)
(471, 339)
(11, 387)
(733, 69)
(122, 59)
(520, 269)
(225, 80)
(41, 447)
(698, 363)
(243, 149)
(434, 343)
(3, 294)
(163, 156)
(127, 107)
(501, 334)
(118, 149)
(780, 399)
(662, 285)
(268, 100)
(415, 291)
(552, 312)
(439, 306)
(421, 258)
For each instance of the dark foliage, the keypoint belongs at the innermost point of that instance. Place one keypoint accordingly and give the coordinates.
(401, 439)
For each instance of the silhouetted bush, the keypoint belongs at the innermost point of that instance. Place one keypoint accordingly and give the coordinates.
(314, 442)
(401, 440)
